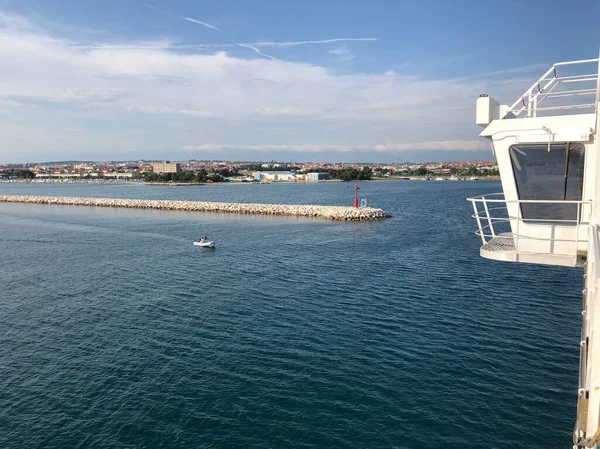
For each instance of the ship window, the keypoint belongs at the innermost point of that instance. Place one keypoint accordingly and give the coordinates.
(548, 175)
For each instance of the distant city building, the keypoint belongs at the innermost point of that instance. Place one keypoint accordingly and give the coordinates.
(166, 167)
(317, 176)
(275, 175)
(58, 175)
(122, 175)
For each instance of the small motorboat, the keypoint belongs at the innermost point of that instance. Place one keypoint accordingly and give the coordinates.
(204, 243)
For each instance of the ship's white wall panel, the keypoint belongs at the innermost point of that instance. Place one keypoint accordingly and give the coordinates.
(564, 128)
(592, 320)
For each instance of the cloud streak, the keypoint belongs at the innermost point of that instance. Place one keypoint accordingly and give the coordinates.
(257, 51)
(224, 45)
(189, 19)
(207, 25)
(342, 53)
(533, 68)
(317, 42)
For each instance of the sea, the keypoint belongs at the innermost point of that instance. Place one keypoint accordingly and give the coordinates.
(116, 332)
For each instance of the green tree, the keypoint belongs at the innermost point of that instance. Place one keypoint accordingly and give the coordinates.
(202, 176)
(366, 173)
(215, 177)
(421, 171)
(348, 174)
(21, 174)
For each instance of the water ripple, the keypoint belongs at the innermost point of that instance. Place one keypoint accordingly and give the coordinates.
(117, 332)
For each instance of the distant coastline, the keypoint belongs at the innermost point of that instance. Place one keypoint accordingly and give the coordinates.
(194, 172)
(140, 182)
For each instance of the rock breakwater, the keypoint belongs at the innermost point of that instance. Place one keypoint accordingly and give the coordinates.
(342, 213)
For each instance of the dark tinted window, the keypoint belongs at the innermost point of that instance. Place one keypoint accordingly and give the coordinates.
(574, 187)
(548, 175)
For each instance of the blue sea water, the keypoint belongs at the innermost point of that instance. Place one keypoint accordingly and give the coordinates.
(116, 332)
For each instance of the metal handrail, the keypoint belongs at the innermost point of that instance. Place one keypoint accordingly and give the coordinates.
(487, 219)
(530, 220)
(482, 198)
(572, 92)
(528, 103)
(582, 61)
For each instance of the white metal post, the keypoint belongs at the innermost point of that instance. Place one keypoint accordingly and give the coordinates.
(517, 236)
(478, 222)
(489, 219)
(577, 231)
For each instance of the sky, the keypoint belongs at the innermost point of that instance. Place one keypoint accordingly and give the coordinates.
(298, 80)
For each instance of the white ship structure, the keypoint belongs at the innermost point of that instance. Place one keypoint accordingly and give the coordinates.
(548, 153)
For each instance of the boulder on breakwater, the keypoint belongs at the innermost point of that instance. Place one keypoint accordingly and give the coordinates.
(343, 213)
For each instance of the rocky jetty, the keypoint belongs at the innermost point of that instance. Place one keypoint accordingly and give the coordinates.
(342, 213)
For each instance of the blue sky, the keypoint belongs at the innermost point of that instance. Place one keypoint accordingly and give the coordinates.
(260, 80)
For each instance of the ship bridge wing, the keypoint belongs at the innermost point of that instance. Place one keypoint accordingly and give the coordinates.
(547, 148)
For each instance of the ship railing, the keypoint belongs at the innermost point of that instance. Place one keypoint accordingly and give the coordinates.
(500, 223)
(563, 89)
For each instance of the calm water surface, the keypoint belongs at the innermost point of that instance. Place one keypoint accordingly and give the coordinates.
(117, 332)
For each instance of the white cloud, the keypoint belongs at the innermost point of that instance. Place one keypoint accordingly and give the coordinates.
(342, 53)
(147, 97)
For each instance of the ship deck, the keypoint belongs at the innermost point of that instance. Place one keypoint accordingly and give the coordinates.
(502, 247)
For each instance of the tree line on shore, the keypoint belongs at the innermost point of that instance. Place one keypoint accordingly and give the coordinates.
(19, 174)
(221, 175)
(345, 174)
(348, 173)
(454, 171)
(185, 177)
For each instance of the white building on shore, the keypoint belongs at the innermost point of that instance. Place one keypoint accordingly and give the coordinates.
(317, 176)
(276, 176)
